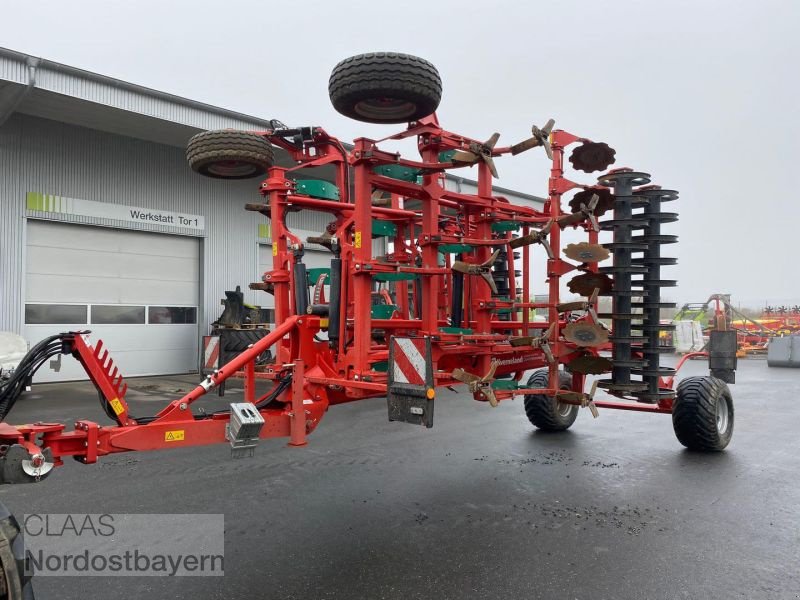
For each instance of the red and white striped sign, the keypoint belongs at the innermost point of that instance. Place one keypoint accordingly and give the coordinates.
(409, 361)
(210, 352)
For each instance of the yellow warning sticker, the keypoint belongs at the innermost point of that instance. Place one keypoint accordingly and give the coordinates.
(358, 239)
(174, 436)
(274, 249)
(117, 406)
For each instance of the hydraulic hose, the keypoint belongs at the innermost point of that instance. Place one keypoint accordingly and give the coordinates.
(11, 389)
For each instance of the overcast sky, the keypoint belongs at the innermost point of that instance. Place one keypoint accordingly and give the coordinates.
(702, 95)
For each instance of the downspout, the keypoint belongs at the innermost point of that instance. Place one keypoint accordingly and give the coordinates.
(32, 64)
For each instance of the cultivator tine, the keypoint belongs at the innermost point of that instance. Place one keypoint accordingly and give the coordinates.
(542, 342)
(587, 305)
(536, 237)
(540, 137)
(590, 400)
(478, 152)
(490, 280)
(585, 213)
(326, 240)
(583, 399)
(483, 270)
(464, 377)
(479, 384)
(464, 156)
(592, 303)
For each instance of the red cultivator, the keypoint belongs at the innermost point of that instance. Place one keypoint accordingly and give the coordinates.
(449, 302)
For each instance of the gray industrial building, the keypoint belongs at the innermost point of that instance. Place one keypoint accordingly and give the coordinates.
(103, 226)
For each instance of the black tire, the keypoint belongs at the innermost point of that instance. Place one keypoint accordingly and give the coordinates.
(385, 87)
(229, 154)
(702, 414)
(15, 569)
(545, 412)
(236, 341)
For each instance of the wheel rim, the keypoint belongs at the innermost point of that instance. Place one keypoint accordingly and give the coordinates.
(723, 414)
(385, 108)
(232, 168)
(563, 409)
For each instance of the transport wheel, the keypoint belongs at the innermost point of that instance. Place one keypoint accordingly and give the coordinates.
(702, 414)
(229, 154)
(385, 87)
(545, 412)
(14, 583)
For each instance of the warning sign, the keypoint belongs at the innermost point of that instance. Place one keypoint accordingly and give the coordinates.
(409, 360)
(210, 352)
(117, 406)
(174, 436)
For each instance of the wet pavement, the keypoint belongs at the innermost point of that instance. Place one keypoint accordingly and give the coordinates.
(480, 506)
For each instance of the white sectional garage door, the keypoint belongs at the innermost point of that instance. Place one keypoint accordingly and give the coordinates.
(137, 291)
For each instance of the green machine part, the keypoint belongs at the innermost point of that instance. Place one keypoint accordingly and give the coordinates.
(313, 275)
(383, 228)
(317, 188)
(397, 172)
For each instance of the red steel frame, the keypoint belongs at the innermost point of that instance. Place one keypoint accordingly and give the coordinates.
(324, 375)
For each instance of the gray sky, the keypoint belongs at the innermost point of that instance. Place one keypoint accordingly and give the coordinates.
(700, 94)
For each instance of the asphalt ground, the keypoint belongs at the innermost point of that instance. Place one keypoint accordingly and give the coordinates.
(480, 506)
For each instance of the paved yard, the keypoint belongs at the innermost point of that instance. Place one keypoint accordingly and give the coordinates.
(481, 506)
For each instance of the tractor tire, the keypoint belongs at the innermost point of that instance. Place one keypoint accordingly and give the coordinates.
(545, 412)
(385, 87)
(15, 571)
(702, 414)
(236, 341)
(229, 154)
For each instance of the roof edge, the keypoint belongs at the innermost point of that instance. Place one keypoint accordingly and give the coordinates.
(128, 86)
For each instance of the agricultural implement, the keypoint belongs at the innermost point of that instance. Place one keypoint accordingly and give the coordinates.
(449, 303)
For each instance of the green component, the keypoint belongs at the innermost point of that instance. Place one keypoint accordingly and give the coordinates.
(317, 188)
(381, 367)
(455, 248)
(446, 156)
(397, 172)
(458, 330)
(504, 384)
(313, 274)
(506, 226)
(383, 228)
(504, 311)
(383, 311)
(394, 276)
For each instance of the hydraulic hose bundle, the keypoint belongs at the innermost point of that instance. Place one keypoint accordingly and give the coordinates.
(12, 388)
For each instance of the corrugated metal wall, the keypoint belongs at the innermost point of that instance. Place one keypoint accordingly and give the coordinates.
(39, 155)
(77, 83)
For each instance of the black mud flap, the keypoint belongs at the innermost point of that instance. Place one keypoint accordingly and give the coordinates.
(722, 346)
(410, 390)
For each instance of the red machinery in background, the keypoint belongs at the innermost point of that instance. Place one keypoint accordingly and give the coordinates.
(448, 303)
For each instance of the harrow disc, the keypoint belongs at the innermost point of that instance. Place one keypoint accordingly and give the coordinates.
(586, 283)
(592, 156)
(585, 334)
(591, 365)
(586, 253)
